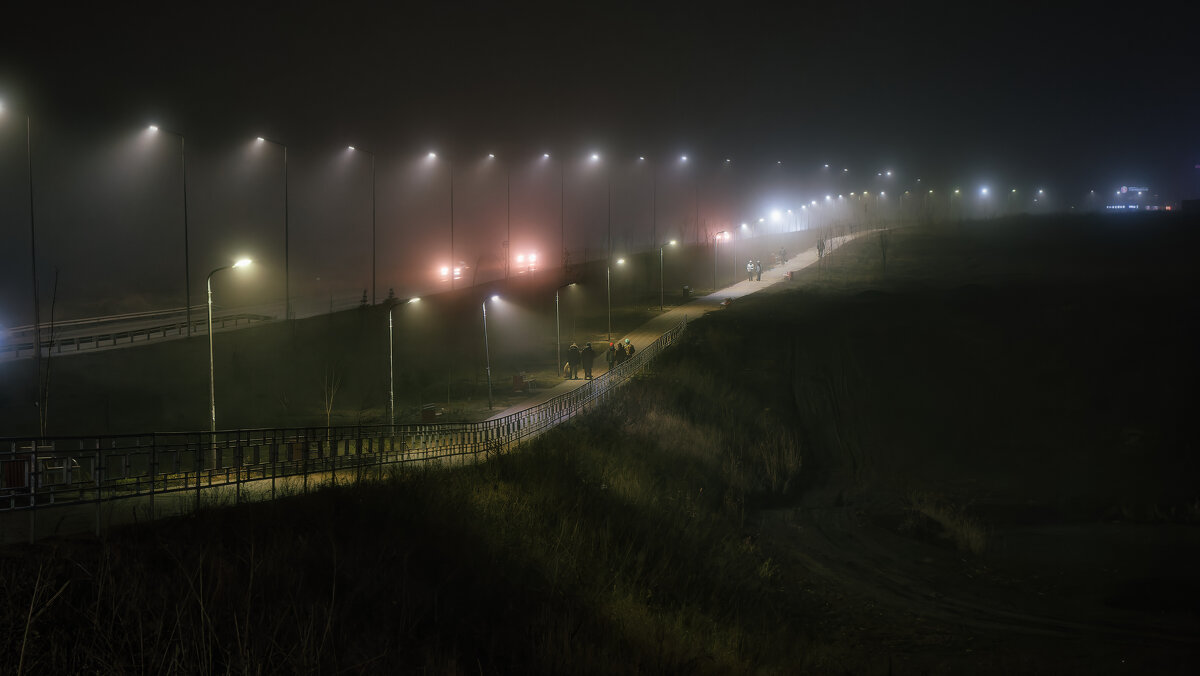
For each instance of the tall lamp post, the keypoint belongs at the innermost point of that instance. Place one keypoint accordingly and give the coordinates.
(212, 388)
(187, 275)
(37, 318)
(372, 155)
(486, 351)
(453, 264)
(660, 273)
(287, 296)
(392, 369)
(608, 284)
(720, 237)
(558, 327)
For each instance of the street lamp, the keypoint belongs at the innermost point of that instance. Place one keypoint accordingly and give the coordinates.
(558, 327)
(486, 351)
(391, 368)
(608, 271)
(212, 388)
(508, 215)
(660, 273)
(359, 150)
(187, 276)
(287, 297)
(719, 237)
(37, 314)
(450, 166)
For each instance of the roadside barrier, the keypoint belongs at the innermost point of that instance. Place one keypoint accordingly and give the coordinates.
(80, 484)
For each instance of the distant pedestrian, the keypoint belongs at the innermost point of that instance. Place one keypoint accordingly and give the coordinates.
(611, 355)
(586, 356)
(628, 349)
(620, 356)
(758, 269)
(573, 361)
(749, 271)
(820, 248)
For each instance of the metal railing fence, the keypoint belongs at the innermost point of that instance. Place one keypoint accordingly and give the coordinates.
(79, 480)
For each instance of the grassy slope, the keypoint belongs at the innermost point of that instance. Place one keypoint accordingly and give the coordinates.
(983, 365)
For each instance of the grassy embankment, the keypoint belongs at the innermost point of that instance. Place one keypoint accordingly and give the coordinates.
(989, 377)
(613, 544)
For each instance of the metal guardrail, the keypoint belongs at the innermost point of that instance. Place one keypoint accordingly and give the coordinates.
(39, 476)
(18, 349)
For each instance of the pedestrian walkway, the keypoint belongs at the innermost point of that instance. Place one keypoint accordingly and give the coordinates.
(650, 331)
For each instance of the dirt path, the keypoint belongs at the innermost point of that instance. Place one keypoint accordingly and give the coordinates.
(927, 606)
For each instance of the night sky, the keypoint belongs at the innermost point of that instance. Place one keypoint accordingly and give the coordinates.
(1065, 99)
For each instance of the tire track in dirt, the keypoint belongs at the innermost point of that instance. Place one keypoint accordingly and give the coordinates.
(866, 563)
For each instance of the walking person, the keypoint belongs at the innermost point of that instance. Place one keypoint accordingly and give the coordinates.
(628, 349)
(749, 271)
(586, 356)
(573, 361)
(611, 356)
(758, 269)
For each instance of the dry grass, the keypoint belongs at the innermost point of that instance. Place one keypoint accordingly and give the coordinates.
(966, 532)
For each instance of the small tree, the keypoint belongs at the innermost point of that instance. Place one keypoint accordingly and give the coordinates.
(332, 384)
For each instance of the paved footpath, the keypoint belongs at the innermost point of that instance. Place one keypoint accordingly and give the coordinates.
(650, 331)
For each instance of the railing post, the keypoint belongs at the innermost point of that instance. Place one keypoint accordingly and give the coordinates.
(34, 478)
(97, 469)
(239, 460)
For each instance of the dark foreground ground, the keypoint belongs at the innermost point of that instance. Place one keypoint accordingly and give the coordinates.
(976, 459)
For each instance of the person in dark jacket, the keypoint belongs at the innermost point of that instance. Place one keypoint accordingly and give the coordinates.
(573, 361)
(586, 356)
(758, 269)
(628, 349)
(611, 356)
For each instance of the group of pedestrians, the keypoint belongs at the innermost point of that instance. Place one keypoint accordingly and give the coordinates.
(617, 354)
(753, 269)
